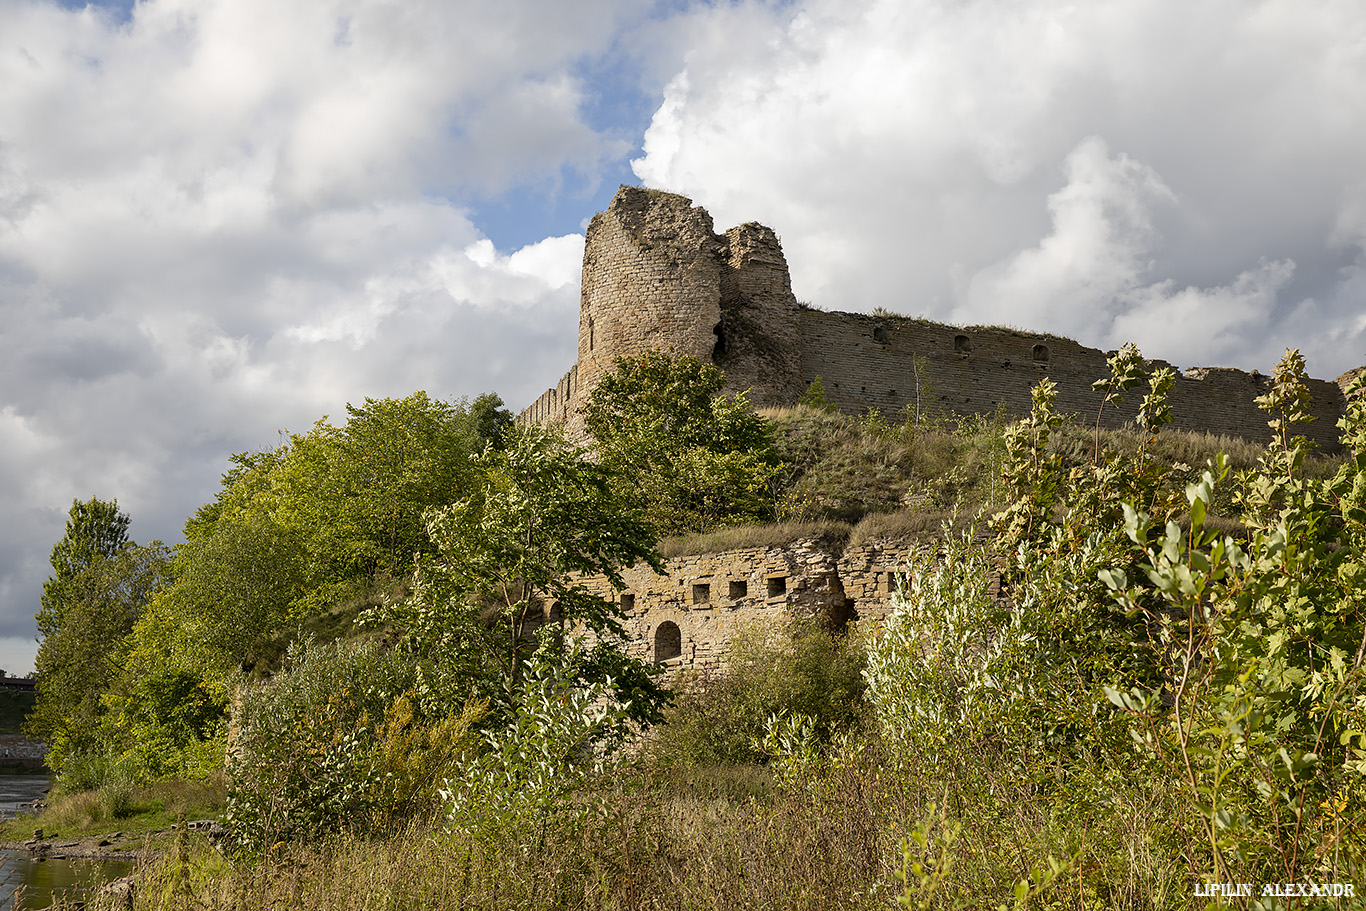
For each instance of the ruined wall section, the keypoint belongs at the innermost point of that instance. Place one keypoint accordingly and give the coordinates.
(1222, 400)
(758, 343)
(556, 405)
(891, 363)
(702, 599)
(684, 619)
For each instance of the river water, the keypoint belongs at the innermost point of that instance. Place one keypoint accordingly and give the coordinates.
(26, 883)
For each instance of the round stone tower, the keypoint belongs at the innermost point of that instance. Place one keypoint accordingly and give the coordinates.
(651, 280)
(656, 276)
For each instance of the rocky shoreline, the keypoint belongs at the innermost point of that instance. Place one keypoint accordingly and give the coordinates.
(112, 846)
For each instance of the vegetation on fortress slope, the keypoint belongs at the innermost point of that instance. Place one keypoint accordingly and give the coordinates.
(1170, 695)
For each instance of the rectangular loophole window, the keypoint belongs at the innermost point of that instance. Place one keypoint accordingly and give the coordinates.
(701, 592)
(777, 586)
(739, 590)
(628, 601)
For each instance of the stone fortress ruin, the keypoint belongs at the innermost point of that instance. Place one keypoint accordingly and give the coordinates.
(657, 276)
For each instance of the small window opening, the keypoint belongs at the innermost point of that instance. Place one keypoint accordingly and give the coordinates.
(739, 589)
(1041, 354)
(961, 345)
(590, 333)
(777, 586)
(881, 335)
(628, 601)
(701, 592)
(668, 641)
(719, 348)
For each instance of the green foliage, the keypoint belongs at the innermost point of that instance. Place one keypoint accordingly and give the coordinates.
(563, 733)
(347, 502)
(357, 493)
(78, 660)
(792, 671)
(489, 421)
(1032, 473)
(100, 584)
(507, 554)
(95, 530)
(300, 532)
(1261, 715)
(815, 397)
(687, 456)
(336, 741)
(1237, 661)
(933, 674)
(164, 721)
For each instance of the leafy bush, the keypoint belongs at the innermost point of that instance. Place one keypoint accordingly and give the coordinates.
(1261, 715)
(689, 457)
(562, 732)
(335, 742)
(789, 669)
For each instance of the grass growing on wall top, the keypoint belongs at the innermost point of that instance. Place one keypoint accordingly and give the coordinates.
(781, 534)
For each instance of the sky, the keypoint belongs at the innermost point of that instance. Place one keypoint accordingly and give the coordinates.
(225, 219)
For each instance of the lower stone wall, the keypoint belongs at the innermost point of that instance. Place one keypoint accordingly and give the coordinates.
(684, 618)
(20, 755)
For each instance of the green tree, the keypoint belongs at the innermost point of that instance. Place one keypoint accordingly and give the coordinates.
(79, 657)
(324, 524)
(509, 562)
(689, 457)
(95, 530)
(489, 420)
(815, 397)
(356, 493)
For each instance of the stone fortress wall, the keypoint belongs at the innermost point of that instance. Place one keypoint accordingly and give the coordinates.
(684, 618)
(657, 276)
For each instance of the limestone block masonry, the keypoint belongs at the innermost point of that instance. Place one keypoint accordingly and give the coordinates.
(683, 619)
(657, 276)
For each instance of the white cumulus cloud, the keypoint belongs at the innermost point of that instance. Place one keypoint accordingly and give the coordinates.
(224, 218)
(1095, 169)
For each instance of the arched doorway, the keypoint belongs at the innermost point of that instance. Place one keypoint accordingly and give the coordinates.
(668, 641)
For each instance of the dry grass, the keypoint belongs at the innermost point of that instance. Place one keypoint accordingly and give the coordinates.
(781, 534)
(131, 809)
(832, 840)
(909, 524)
